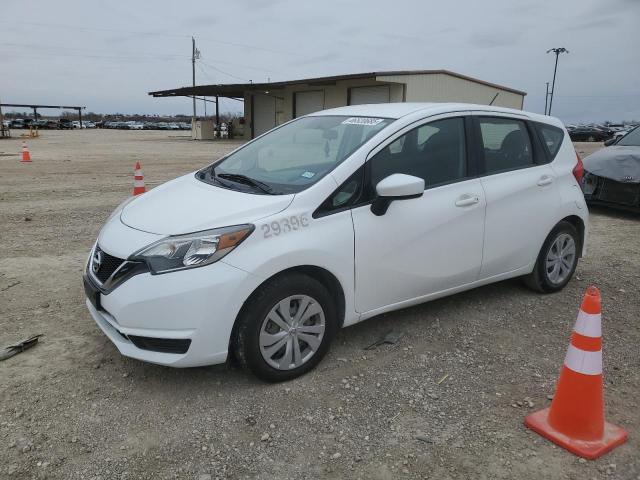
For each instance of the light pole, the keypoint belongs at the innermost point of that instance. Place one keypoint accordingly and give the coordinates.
(557, 51)
(546, 99)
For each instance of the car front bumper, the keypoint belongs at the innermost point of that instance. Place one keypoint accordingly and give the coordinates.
(195, 307)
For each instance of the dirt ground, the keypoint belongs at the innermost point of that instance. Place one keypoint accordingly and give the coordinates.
(466, 372)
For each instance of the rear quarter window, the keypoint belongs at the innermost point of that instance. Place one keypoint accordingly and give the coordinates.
(552, 138)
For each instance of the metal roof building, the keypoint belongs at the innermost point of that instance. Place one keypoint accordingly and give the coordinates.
(267, 105)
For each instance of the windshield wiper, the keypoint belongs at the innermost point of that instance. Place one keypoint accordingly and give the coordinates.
(239, 178)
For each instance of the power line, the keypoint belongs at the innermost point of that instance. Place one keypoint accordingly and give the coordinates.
(57, 49)
(219, 70)
(108, 57)
(138, 33)
(90, 29)
(604, 96)
(249, 47)
(106, 54)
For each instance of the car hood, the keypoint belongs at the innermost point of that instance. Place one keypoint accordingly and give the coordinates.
(618, 162)
(186, 205)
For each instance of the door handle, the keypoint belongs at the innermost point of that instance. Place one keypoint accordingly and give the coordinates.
(467, 200)
(545, 180)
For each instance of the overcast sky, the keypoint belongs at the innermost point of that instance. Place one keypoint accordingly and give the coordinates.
(108, 55)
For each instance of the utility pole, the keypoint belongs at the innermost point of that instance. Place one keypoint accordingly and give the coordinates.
(546, 99)
(217, 111)
(557, 51)
(195, 54)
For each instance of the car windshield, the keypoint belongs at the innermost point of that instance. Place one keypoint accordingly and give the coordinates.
(294, 156)
(631, 139)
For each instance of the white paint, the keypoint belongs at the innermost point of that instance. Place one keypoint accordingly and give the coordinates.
(400, 185)
(582, 361)
(421, 249)
(187, 205)
(589, 324)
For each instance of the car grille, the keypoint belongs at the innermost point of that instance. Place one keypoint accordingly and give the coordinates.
(108, 265)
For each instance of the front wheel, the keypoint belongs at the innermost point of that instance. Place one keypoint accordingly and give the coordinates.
(557, 260)
(286, 327)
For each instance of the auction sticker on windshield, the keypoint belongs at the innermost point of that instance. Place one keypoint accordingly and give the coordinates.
(362, 121)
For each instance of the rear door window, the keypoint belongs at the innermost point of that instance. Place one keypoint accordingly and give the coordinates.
(551, 137)
(505, 143)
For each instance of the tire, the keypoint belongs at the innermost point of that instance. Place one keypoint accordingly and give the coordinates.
(542, 279)
(255, 343)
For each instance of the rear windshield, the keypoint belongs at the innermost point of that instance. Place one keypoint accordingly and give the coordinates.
(294, 156)
(631, 139)
(551, 137)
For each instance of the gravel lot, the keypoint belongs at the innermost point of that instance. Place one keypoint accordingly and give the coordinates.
(466, 372)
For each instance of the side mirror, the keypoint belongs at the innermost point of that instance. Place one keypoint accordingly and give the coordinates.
(610, 142)
(396, 187)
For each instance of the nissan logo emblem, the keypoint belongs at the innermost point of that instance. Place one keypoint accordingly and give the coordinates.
(97, 261)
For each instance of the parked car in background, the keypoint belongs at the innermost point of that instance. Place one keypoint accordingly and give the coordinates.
(17, 123)
(65, 124)
(616, 127)
(268, 270)
(589, 134)
(136, 126)
(612, 175)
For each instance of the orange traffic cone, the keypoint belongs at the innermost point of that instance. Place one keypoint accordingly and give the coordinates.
(138, 181)
(575, 419)
(26, 156)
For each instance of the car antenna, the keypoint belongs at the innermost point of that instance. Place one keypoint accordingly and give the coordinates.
(494, 98)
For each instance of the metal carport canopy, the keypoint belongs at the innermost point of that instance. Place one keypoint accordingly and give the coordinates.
(237, 90)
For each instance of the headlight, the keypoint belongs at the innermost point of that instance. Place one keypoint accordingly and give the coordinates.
(192, 250)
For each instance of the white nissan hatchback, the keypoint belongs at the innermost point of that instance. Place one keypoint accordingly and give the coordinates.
(329, 220)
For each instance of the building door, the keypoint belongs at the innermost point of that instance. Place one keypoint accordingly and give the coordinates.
(308, 102)
(263, 113)
(365, 95)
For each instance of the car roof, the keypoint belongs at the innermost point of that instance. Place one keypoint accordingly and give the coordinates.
(399, 110)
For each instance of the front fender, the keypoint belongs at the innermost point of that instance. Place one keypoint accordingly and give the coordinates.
(293, 238)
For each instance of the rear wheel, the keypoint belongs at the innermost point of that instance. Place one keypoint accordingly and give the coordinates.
(557, 260)
(286, 327)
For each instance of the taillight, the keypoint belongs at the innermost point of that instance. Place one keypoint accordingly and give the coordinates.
(578, 170)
